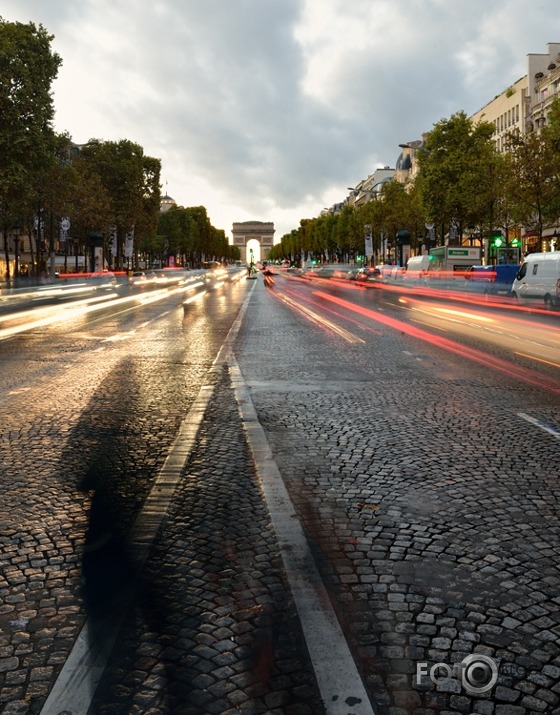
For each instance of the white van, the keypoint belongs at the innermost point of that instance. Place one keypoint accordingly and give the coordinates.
(539, 278)
(417, 267)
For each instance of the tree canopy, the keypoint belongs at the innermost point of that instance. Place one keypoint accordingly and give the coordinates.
(453, 178)
(28, 66)
(131, 187)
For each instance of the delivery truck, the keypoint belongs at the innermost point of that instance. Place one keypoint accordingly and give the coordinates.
(417, 267)
(538, 279)
(450, 263)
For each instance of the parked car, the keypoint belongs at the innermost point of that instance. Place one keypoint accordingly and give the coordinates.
(417, 268)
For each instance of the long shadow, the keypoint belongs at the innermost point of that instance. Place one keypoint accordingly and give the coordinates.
(111, 460)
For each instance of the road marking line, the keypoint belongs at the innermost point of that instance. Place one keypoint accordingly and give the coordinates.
(538, 423)
(429, 325)
(340, 684)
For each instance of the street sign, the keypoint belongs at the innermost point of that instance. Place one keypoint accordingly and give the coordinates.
(462, 252)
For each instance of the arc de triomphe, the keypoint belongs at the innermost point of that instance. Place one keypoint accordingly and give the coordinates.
(261, 231)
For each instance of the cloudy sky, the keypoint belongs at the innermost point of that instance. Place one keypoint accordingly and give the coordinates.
(270, 109)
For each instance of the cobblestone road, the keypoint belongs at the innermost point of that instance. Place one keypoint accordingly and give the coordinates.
(429, 504)
(210, 624)
(432, 507)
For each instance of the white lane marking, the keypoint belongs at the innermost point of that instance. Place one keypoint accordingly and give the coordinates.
(340, 684)
(18, 390)
(538, 423)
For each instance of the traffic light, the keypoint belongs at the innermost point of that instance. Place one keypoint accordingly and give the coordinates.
(497, 240)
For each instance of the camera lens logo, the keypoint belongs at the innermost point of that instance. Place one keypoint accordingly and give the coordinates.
(479, 674)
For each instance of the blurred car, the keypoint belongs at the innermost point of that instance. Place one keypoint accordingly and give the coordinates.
(491, 279)
(397, 273)
(352, 273)
(102, 280)
(368, 274)
(387, 271)
(215, 272)
(138, 277)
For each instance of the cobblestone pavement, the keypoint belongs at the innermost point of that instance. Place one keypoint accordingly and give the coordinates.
(432, 508)
(212, 627)
(432, 515)
(215, 630)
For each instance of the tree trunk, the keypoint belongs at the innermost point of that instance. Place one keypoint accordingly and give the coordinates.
(7, 254)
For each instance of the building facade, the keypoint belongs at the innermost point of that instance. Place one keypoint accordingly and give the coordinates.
(544, 84)
(509, 111)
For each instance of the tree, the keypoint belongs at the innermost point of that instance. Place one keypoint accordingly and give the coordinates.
(452, 167)
(395, 211)
(191, 238)
(533, 184)
(27, 69)
(90, 202)
(552, 136)
(131, 186)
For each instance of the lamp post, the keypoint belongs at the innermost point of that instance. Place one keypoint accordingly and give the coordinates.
(356, 190)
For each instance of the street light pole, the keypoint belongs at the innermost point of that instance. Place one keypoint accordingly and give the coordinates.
(368, 192)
